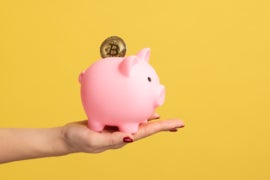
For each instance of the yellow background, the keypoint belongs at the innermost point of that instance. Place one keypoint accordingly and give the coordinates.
(212, 56)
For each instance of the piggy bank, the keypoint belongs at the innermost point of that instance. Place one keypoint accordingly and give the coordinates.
(121, 91)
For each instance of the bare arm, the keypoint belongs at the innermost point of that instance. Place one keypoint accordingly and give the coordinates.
(18, 144)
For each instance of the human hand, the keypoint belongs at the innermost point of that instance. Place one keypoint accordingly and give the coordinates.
(79, 138)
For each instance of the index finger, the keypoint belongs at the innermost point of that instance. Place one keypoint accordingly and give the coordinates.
(155, 127)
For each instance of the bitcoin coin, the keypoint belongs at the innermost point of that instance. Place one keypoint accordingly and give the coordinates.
(113, 46)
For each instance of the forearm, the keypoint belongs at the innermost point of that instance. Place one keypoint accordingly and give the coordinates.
(19, 144)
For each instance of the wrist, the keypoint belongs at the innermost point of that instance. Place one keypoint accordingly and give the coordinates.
(66, 137)
(62, 144)
(58, 145)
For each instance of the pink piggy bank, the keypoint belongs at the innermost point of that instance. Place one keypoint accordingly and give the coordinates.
(121, 91)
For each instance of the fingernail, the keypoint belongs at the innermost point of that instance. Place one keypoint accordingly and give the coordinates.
(156, 116)
(127, 140)
(180, 126)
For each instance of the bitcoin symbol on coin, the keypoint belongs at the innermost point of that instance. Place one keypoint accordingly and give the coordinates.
(113, 46)
(113, 49)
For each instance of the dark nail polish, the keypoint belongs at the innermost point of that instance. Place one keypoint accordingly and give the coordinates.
(127, 139)
(181, 126)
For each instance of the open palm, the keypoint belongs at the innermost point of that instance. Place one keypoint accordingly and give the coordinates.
(79, 138)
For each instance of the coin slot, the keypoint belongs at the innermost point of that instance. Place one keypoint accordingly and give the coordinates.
(149, 79)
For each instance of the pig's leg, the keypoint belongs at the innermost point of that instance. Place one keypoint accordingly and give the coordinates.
(129, 127)
(95, 125)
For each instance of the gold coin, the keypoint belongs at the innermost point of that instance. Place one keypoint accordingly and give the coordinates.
(113, 46)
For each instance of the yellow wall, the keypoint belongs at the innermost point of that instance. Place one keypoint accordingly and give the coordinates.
(212, 56)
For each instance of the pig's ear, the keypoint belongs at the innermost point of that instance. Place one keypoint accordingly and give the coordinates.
(127, 64)
(81, 77)
(144, 54)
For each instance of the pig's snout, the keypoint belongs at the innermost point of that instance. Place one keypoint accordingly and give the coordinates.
(160, 96)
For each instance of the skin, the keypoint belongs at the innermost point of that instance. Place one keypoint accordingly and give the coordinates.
(22, 143)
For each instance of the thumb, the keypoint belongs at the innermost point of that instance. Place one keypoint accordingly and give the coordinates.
(116, 138)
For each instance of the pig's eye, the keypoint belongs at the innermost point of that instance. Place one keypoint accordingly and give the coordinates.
(149, 79)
